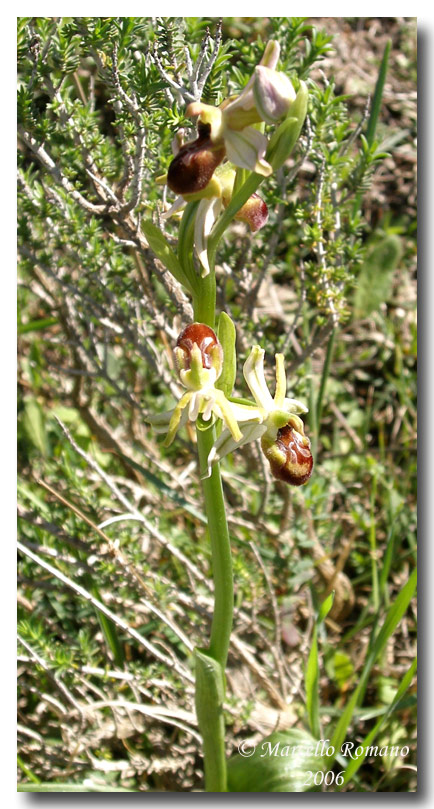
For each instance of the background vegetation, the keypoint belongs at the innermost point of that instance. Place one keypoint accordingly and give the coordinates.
(114, 579)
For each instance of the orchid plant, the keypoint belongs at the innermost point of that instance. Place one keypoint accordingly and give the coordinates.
(215, 177)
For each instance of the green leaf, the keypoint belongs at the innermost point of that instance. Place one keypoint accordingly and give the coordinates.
(280, 763)
(312, 670)
(227, 337)
(162, 249)
(311, 681)
(36, 325)
(209, 698)
(376, 647)
(326, 606)
(378, 95)
(374, 283)
(34, 425)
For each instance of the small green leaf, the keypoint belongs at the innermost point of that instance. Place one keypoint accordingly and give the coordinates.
(326, 606)
(280, 763)
(162, 249)
(227, 336)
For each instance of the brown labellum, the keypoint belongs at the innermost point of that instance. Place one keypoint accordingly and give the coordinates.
(192, 168)
(206, 339)
(290, 456)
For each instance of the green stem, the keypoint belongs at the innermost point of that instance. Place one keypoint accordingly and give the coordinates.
(324, 377)
(204, 302)
(209, 708)
(221, 552)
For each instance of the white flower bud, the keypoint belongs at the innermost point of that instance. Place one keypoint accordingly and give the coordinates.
(273, 94)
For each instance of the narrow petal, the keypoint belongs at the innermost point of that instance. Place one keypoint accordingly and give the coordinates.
(179, 203)
(280, 393)
(207, 212)
(246, 149)
(294, 406)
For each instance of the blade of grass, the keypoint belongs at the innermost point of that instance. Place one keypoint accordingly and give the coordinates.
(27, 771)
(377, 645)
(386, 563)
(312, 671)
(36, 325)
(373, 544)
(324, 376)
(378, 95)
(355, 763)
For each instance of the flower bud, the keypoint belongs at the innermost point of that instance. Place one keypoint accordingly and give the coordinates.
(273, 93)
(193, 167)
(207, 342)
(289, 455)
(254, 212)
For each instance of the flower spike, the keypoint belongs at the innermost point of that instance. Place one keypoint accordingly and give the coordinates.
(229, 130)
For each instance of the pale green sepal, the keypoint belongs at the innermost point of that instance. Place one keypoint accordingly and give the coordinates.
(227, 413)
(227, 336)
(176, 418)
